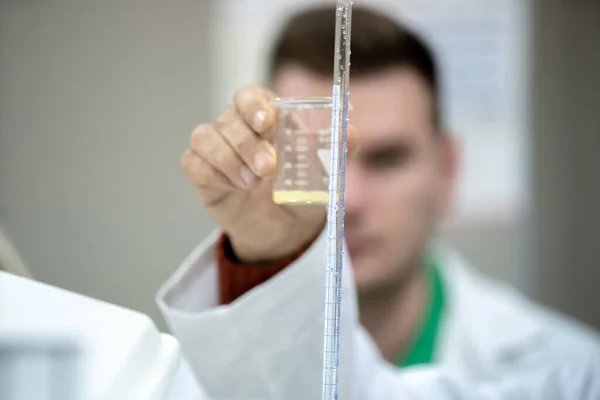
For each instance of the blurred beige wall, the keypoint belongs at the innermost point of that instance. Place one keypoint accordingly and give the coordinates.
(566, 156)
(97, 100)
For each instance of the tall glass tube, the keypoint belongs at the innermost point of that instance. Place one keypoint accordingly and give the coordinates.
(337, 184)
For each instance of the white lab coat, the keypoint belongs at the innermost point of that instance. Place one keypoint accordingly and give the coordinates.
(268, 344)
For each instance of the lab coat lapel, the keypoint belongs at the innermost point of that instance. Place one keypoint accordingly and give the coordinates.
(488, 327)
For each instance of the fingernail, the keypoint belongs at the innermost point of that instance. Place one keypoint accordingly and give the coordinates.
(247, 176)
(264, 160)
(259, 118)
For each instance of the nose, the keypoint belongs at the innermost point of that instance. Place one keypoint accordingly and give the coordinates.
(355, 196)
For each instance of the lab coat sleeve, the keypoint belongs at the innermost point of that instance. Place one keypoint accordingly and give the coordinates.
(268, 343)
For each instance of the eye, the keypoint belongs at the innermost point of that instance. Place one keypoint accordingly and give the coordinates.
(386, 158)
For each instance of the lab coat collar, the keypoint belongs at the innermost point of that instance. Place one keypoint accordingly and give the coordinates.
(489, 320)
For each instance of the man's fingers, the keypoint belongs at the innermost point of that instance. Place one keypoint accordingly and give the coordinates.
(255, 106)
(214, 151)
(231, 153)
(211, 186)
(202, 174)
(258, 154)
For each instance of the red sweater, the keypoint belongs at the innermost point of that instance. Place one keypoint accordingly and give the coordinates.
(236, 278)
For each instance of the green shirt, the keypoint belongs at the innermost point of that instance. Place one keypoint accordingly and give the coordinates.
(423, 345)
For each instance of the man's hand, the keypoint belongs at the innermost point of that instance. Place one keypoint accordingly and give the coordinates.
(231, 164)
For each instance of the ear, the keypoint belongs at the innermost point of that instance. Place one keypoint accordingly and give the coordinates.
(450, 168)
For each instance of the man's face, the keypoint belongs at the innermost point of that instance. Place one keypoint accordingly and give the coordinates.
(400, 182)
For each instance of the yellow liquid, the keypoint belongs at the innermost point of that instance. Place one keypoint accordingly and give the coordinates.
(300, 197)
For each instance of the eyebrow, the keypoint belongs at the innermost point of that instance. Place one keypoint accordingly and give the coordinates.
(387, 145)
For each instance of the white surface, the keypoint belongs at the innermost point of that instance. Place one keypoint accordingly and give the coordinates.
(482, 53)
(126, 357)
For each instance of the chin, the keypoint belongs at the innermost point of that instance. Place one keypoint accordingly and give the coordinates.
(368, 274)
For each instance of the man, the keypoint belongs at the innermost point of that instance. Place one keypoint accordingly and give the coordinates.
(418, 304)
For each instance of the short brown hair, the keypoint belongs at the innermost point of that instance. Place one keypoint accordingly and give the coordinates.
(377, 43)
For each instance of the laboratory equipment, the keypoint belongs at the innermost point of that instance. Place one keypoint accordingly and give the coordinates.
(116, 353)
(335, 218)
(40, 367)
(303, 134)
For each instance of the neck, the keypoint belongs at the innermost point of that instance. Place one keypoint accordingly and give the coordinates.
(392, 318)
